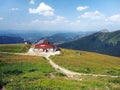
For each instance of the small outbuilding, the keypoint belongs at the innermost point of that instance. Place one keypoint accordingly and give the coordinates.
(45, 46)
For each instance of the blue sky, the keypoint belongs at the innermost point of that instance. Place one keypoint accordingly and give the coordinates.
(69, 15)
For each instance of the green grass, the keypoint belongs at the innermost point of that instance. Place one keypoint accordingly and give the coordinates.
(88, 62)
(30, 72)
(16, 48)
(34, 73)
(16, 69)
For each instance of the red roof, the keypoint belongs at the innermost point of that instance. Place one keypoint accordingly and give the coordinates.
(44, 46)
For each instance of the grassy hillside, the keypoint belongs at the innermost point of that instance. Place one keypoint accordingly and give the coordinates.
(87, 62)
(100, 42)
(14, 48)
(35, 73)
(110, 37)
(15, 70)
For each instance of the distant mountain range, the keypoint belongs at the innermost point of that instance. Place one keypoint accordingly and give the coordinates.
(59, 38)
(10, 40)
(53, 36)
(28, 35)
(101, 42)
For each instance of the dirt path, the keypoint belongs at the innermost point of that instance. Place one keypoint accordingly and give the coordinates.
(72, 74)
(68, 73)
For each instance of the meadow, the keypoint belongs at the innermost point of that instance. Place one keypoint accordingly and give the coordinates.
(15, 48)
(88, 62)
(35, 73)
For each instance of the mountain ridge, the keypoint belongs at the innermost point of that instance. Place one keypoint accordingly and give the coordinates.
(100, 42)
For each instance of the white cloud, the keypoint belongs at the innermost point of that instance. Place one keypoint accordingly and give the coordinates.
(81, 8)
(32, 2)
(58, 19)
(92, 15)
(114, 18)
(14, 9)
(42, 9)
(56, 23)
(1, 18)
